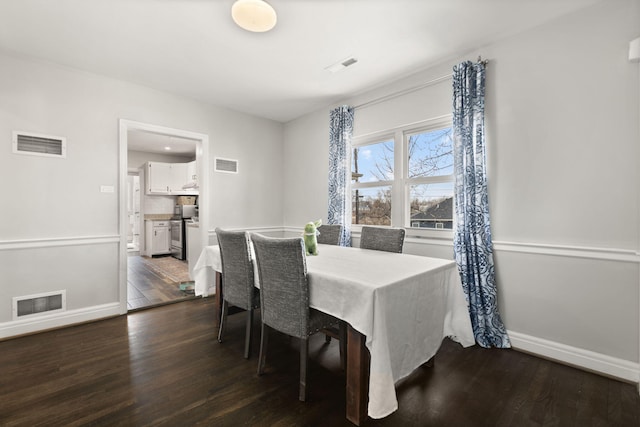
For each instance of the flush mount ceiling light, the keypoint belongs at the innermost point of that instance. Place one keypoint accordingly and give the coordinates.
(254, 15)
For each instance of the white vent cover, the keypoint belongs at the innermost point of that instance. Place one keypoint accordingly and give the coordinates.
(226, 165)
(39, 145)
(45, 303)
(341, 65)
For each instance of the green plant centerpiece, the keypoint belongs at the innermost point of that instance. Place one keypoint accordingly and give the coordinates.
(310, 236)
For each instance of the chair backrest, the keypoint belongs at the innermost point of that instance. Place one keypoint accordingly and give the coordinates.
(237, 267)
(284, 290)
(382, 239)
(329, 234)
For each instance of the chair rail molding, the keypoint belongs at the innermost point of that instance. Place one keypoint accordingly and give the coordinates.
(57, 241)
(587, 252)
(267, 229)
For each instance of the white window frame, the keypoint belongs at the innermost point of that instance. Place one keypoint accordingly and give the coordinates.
(375, 139)
(400, 185)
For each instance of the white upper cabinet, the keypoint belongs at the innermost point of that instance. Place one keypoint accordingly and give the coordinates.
(168, 178)
(158, 178)
(192, 173)
(178, 178)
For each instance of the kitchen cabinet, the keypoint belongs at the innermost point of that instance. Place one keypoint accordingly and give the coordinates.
(194, 246)
(178, 178)
(158, 178)
(169, 178)
(192, 173)
(158, 237)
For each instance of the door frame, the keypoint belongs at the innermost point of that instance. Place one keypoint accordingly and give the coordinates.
(202, 170)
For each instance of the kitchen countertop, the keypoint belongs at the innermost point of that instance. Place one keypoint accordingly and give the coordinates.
(158, 217)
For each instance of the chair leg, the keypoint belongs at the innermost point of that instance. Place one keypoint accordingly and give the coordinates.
(342, 332)
(304, 353)
(264, 337)
(248, 334)
(223, 319)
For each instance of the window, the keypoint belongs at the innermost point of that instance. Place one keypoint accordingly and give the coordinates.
(430, 178)
(404, 178)
(372, 167)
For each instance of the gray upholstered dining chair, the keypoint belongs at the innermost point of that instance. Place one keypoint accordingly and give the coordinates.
(284, 294)
(237, 280)
(387, 239)
(329, 234)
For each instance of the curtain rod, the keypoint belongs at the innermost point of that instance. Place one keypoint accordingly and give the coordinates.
(411, 89)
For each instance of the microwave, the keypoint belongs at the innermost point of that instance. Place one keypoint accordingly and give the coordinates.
(185, 211)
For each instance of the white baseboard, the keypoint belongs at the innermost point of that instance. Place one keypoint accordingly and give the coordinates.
(41, 323)
(589, 360)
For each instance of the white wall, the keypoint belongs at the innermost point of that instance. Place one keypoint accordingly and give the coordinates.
(562, 112)
(62, 232)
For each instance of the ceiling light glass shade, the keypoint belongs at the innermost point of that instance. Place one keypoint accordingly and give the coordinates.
(254, 15)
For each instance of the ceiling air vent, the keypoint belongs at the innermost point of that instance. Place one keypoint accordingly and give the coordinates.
(341, 65)
(226, 165)
(39, 145)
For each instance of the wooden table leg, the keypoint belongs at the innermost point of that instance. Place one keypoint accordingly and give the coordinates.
(218, 300)
(357, 376)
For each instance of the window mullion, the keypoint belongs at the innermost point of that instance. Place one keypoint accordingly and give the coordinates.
(398, 189)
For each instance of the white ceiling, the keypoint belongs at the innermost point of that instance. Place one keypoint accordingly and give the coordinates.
(149, 142)
(193, 48)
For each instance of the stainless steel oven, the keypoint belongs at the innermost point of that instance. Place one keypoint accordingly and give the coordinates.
(177, 239)
(181, 213)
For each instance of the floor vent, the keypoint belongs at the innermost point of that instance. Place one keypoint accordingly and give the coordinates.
(39, 145)
(226, 165)
(30, 305)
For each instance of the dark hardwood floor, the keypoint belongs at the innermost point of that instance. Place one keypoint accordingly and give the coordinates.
(164, 367)
(147, 288)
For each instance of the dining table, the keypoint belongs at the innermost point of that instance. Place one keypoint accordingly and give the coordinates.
(398, 309)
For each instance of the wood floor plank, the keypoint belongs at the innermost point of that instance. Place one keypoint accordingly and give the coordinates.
(165, 367)
(148, 288)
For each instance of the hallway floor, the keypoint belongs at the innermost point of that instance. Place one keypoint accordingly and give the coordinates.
(149, 287)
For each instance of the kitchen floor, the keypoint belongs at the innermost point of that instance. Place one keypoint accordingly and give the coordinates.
(156, 281)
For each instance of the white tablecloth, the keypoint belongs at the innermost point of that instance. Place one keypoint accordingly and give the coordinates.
(404, 305)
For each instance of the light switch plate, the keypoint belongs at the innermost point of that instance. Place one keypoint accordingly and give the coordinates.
(107, 189)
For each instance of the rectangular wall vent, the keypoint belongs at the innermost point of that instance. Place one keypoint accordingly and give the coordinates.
(39, 145)
(30, 305)
(226, 165)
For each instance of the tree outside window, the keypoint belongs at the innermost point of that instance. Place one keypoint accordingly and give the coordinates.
(430, 179)
(371, 180)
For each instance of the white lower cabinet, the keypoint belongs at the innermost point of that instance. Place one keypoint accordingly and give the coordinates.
(194, 246)
(158, 237)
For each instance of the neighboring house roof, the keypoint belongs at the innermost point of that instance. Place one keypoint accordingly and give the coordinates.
(441, 211)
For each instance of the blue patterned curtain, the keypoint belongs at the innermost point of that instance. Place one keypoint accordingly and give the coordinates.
(472, 239)
(340, 133)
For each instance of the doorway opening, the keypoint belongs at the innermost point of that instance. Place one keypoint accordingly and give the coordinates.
(148, 278)
(133, 213)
